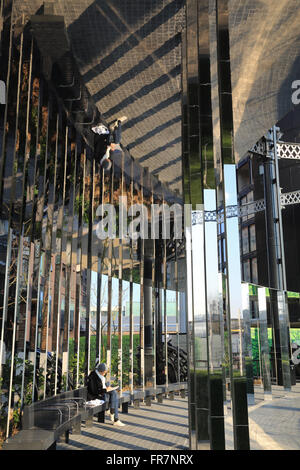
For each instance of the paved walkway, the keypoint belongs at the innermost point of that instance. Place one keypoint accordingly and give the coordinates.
(161, 426)
(274, 425)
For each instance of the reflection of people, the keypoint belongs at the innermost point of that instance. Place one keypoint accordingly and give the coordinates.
(98, 388)
(107, 142)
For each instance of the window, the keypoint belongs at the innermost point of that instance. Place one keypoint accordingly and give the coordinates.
(246, 269)
(245, 240)
(252, 238)
(254, 271)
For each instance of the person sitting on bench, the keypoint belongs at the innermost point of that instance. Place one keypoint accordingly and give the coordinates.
(98, 388)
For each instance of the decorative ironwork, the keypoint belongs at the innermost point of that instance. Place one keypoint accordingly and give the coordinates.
(173, 368)
(252, 208)
(210, 216)
(289, 199)
(288, 151)
(245, 210)
(197, 217)
(259, 148)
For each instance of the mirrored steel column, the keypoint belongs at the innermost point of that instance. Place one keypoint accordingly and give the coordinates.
(109, 285)
(131, 296)
(235, 320)
(215, 327)
(248, 355)
(201, 353)
(142, 316)
(120, 275)
(99, 250)
(45, 294)
(264, 343)
(154, 295)
(58, 291)
(70, 271)
(190, 327)
(164, 295)
(12, 212)
(283, 315)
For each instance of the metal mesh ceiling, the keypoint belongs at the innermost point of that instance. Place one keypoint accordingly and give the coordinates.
(129, 54)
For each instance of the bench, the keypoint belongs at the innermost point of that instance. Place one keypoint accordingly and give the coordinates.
(168, 390)
(125, 401)
(136, 397)
(174, 388)
(150, 394)
(45, 422)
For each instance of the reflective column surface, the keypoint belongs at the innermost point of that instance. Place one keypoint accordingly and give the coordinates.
(235, 326)
(264, 343)
(70, 299)
(215, 329)
(248, 343)
(283, 315)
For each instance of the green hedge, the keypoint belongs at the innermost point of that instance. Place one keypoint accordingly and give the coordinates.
(114, 354)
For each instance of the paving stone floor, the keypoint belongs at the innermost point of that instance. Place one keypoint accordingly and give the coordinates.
(161, 426)
(274, 425)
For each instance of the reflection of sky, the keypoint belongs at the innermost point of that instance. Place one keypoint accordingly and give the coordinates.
(211, 248)
(233, 243)
(198, 272)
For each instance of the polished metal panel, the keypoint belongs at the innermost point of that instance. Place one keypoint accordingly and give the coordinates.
(131, 298)
(215, 329)
(109, 286)
(177, 312)
(190, 327)
(67, 369)
(67, 296)
(120, 286)
(31, 150)
(15, 235)
(58, 290)
(164, 301)
(283, 317)
(264, 343)
(235, 316)
(99, 248)
(45, 294)
(200, 330)
(141, 280)
(247, 343)
(77, 250)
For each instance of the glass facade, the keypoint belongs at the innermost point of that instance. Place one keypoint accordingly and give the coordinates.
(68, 297)
(234, 326)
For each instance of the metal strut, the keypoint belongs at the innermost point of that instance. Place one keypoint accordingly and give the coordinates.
(285, 150)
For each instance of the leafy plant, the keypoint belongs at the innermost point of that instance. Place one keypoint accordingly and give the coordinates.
(16, 390)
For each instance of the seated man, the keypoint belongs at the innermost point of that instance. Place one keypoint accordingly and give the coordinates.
(106, 143)
(98, 388)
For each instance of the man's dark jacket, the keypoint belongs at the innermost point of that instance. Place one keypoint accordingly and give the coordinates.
(101, 143)
(95, 387)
